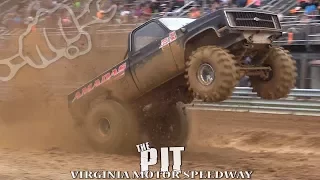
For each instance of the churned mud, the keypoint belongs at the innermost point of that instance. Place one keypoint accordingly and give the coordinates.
(283, 148)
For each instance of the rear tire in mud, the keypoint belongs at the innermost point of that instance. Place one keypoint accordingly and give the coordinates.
(283, 75)
(221, 67)
(170, 128)
(110, 127)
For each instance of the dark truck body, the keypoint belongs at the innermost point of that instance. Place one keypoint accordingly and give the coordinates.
(152, 66)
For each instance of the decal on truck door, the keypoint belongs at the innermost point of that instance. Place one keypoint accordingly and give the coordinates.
(109, 75)
(172, 37)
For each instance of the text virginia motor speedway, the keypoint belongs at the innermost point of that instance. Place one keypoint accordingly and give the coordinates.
(161, 175)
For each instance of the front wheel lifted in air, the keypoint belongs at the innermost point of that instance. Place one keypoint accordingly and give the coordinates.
(212, 73)
(282, 77)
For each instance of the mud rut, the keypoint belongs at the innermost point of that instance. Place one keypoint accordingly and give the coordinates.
(38, 141)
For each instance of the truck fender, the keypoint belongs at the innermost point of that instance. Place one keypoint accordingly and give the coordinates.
(203, 30)
(190, 46)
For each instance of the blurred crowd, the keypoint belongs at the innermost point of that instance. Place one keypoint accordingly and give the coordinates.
(307, 10)
(155, 8)
(130, 11)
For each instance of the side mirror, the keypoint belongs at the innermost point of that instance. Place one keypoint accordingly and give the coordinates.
(183, 30)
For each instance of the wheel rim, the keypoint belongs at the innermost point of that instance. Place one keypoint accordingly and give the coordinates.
(104, 126)
(206, 74)
(269, 75)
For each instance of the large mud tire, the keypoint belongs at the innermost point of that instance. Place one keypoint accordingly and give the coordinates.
(170, 128)
(225, 73)
(121, 135)
(283, 76)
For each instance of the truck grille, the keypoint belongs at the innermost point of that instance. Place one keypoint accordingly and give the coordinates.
(253, 19)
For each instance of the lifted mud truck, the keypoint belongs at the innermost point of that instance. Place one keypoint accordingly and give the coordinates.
(172, 60)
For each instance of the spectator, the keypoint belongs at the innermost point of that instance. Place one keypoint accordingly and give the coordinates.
(215, 6)
(137, 13)
(65, 18)
(155, 6)
(254, 3)
(311, 10)
(77, 4)
(124, 14)
(178, 3)
(241, 3)
(146, 12)
(295, 10)
(77, 7)
(303, 3)
(164, 8)
(225, 2)
(207, 10)
(194, 13)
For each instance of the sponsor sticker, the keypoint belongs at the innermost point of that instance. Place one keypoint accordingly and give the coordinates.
(172, 37)
(112, 74)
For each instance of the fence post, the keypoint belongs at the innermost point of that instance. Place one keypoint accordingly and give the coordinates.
(303, 71)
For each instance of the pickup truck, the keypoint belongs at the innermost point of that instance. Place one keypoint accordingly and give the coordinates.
(172, 60)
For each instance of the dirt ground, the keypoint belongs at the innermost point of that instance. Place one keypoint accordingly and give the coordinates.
(38, 140)
(274, 147)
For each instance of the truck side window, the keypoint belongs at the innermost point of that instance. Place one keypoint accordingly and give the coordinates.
(147, 34)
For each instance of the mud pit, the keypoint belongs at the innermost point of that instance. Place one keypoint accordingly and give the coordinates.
(38, 140)
(275, 147)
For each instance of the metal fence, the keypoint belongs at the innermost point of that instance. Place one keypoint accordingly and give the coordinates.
(302, 32)
(299, 102)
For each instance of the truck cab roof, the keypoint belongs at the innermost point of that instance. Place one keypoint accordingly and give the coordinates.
(175, 23)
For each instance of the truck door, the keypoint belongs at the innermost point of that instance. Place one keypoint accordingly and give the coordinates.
(150, 64)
